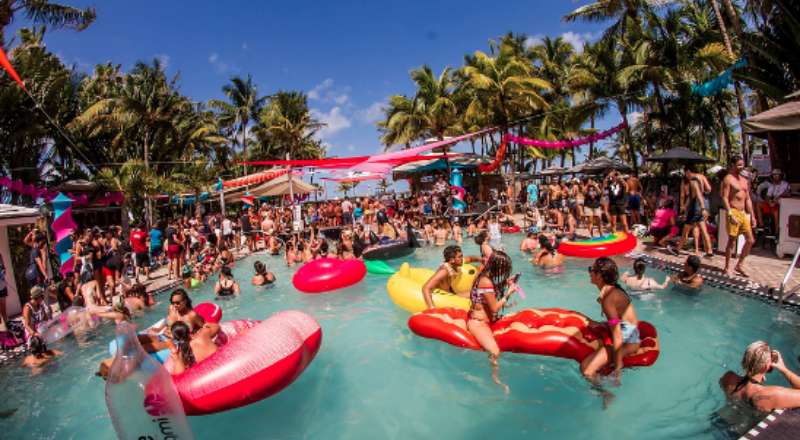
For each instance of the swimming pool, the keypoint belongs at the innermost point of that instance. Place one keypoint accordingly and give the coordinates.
(374, 379)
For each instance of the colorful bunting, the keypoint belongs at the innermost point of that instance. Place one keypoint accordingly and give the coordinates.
(567, 143)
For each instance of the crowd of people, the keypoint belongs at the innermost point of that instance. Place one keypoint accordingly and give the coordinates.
(112, 268)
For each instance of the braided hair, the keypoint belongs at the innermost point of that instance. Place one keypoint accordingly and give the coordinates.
(497, 269)
(181, 337)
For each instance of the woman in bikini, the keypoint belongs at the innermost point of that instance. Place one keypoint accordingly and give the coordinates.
(758, 361)
(482, 240)
(548, 257)
(622, 322)
(187, 349)
(639, 282)
(489, 295)
(226, 286)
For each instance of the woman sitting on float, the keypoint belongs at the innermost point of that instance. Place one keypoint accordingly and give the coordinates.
(489, 295)
(186, 349)
(622, 321)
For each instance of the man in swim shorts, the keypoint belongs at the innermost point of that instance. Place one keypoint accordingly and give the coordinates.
(735, 193)
(447, 275)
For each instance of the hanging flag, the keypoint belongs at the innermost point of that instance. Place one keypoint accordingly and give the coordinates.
(10, 69)
(249, 200)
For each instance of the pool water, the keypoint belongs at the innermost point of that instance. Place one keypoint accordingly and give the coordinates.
(373, 378)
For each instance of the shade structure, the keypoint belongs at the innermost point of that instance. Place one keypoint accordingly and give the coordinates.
(603, 164)
(255, 179)
(77, 185)
(679, 154)
(785, 117)
(553, 171)
(276, 187)
(350, 179)
(464, 161)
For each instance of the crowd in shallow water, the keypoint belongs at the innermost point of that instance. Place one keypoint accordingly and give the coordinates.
(111, 271)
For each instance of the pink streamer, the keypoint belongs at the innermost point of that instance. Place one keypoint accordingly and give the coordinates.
(567, 143)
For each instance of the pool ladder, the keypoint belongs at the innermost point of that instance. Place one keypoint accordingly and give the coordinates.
(783, 294)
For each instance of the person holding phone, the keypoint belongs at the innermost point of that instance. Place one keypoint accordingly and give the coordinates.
(758, 361)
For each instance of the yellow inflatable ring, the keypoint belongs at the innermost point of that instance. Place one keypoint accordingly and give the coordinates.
(405, 288)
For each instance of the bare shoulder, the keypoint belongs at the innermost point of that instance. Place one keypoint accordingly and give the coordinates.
(484, 281)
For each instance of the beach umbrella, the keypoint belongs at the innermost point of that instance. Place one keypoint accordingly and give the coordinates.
(603, 164)
(553, 171)
(679, 154)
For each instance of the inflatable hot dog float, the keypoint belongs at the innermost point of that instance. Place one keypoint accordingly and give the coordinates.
(613, 244)
(545, 332)
(327, 274)
(405, 288)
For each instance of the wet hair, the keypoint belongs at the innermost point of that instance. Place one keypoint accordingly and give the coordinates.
(450, 252)
(184, 295)
(37, 346)
(226, 271)
(638, 267)
(497, 269)
(757, 358)
(481, 237)
(260, 268)
(607, 269)
(323, 248)
(694, 262)
(545, 243)
(181, 336)
(120, 306)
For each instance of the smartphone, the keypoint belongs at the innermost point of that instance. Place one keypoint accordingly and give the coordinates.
(515, 278)
(774, 356)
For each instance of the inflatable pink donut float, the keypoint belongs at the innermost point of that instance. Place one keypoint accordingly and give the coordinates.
(257, 360)
(328, 274)
(510, 229)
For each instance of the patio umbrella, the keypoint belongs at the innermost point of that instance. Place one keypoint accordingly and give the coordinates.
(577, 169)
(680, 154)
(603, 164)
(553, 171)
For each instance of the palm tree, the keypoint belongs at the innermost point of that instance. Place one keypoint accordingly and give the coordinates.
(135, 180)
(243, 106)
(346, 187)
(626, 14)
(45, 12)
(142, 115)
(285, 126)
(404, 122)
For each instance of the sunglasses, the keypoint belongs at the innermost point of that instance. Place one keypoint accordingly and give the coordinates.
(591, 271)
(177, 303)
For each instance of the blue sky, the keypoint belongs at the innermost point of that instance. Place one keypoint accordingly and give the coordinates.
(349, 56)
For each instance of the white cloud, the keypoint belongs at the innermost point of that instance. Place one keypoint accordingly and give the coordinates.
(575, 39)
(326, 92)
(163, 59)
(533, 41)
(334, 119)
(351, 148)
(221, 66)
(373, 113)
(315, 93)
(244, 46)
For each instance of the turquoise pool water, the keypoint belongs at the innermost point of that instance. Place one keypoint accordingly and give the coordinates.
(374, 379)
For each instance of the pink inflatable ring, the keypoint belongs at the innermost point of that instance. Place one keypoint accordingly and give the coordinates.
(258, 360)
(328, 274)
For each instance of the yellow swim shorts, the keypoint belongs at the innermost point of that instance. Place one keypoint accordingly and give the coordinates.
(738, 223)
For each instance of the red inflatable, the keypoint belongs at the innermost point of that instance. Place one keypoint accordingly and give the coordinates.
(613, 244)
(546, 332)
(258, 360)
(328, 274)
(510, 229)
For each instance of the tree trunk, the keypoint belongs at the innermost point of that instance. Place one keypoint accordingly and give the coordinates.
(147, 208)
(591, 144)
(628, 138)
(739, 97)
(723, 125)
